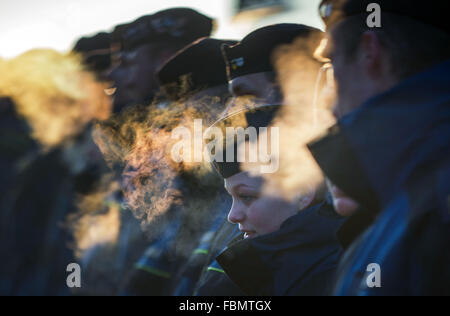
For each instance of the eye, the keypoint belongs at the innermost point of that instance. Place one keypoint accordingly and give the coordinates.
(247, 199)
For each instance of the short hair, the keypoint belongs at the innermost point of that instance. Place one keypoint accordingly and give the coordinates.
(412, 46)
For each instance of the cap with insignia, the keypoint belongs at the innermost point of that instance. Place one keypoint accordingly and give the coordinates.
(197, 67)
(435, 13)
(173, 25)
(254, 53)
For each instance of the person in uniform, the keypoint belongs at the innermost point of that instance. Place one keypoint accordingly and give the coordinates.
(196, 76)
(246, 264)
(42, 87)
(145, 45)
(193, 79)
(389, 152)
(286, 246)
(96, 52)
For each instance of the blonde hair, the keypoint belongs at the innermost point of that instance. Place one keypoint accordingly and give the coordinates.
(54, 93)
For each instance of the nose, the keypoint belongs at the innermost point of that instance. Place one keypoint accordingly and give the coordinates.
(237, 214)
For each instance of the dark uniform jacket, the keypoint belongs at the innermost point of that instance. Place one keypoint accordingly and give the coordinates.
(392, 155)
(166, 270)
(299, 259)
(213, 280)
(191, 272)
(37, 253)
(156, 268)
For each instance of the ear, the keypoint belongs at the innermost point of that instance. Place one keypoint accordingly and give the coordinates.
(371, 54)
(306, 199)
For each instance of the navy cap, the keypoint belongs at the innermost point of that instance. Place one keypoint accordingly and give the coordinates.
(181, 25)
(99, 41)
(117, 35)
(255, 52)
(197, 67)
(434, 13)
(96, 50)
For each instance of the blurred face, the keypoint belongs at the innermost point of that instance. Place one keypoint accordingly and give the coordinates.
(348, 79)
(348, 82)
(211, 101)
(364, 75)
(256, 213)
(360, 76)
(135, 77)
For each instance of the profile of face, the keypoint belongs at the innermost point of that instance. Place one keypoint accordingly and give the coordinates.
(356, 80)
(255, 212)
(348, 81)
(364, 75)
(135, 77)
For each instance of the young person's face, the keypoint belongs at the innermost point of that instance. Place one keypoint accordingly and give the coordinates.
(256, 213)
(362, 76)
(349, 81)
(135, 77)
